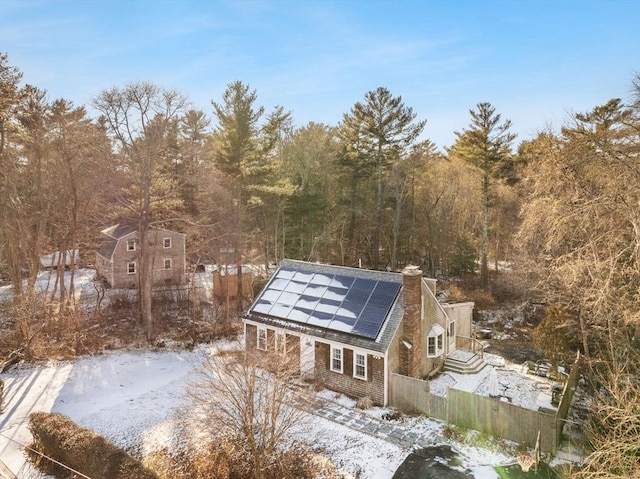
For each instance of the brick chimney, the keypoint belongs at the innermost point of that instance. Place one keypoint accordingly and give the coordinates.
(412, 322)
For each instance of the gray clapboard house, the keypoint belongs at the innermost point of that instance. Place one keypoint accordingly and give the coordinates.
(117, 257)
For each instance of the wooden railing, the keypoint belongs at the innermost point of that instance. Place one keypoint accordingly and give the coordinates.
(470, 344)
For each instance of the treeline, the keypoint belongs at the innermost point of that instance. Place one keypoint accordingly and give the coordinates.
(365, 192)
(563, 208)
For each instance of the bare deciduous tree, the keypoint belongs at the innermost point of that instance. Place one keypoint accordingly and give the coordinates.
(250, 401)
(139, 118)
(581, 233)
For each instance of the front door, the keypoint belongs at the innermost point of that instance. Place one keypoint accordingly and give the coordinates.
(307, 356)
(451, 334)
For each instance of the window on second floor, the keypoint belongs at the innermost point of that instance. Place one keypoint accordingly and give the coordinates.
(166, 242)
(167, 263)
(131, 245)
(131, 267)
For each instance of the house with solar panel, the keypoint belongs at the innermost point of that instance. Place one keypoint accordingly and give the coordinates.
(351, 328)
(117, 256)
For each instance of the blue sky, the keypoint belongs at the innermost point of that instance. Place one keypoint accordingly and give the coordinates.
(535, 61)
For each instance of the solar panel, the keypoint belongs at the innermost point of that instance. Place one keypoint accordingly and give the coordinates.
(333, 301)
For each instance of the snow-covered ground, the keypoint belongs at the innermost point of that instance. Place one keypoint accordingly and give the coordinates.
(83, 282)
(132, 398)
(524, 390)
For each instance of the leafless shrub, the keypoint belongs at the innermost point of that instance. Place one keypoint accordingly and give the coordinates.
(614, 423)
(251, 403)
(223, 459)
(364, 403)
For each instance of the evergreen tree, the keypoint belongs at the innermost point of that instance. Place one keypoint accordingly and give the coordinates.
(377, 133)
(245, 150)
(486, 146)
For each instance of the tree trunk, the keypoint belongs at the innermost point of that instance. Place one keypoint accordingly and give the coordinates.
(145, 279)
(378, 222)
(584, 334)
(238, 259)
(484, 265)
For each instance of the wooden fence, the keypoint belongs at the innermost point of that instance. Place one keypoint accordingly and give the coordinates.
(487, 415)
(502, 419)
(567, 394)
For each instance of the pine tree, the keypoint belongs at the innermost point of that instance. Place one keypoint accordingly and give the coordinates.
(377, 133)
(486, 146)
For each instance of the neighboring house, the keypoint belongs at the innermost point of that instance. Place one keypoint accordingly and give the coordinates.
(117, 258)
(351, 328)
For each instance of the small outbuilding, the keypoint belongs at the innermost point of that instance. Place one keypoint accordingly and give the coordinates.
(226, 281)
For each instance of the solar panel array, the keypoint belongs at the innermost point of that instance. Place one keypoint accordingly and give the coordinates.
(333, 301)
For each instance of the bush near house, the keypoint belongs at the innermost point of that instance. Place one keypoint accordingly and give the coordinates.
(59, 437)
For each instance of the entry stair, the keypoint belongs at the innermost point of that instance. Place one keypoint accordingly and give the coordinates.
(462, 361)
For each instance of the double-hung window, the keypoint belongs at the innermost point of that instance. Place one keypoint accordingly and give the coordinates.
(435, 341)
(359, 365)
(166, 242)
(336, 359)
(262, 339)
(131, 267)
(167, 263)
(131, 245)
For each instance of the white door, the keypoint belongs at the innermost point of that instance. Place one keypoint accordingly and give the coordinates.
(307, 356)
(451, 334)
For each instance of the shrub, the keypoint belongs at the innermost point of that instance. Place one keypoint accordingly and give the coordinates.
(223, 459)
(364, 403)
(59, 437)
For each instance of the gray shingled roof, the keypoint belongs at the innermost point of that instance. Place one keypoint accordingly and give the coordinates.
(110, 237)
(389, 326)
(107, 247)
(120, 230)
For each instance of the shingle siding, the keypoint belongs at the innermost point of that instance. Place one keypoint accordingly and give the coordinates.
(344, 382)
(292, 344)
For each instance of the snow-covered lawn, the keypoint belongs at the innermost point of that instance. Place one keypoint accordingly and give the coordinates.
(132, 398)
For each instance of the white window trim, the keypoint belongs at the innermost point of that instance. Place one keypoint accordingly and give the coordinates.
(437, 335)
(170, 263)
(331, 358)
(129, 263)
(131, 242)
(355, 365)
(260, 340)
(431, 354)
(281, 342)
(164, 244)
(438, 350)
